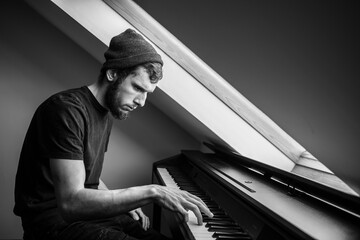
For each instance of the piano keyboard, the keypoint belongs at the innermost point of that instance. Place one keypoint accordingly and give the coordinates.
(220, 227)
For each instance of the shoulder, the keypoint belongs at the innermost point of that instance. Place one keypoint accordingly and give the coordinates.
(72, 99)
(69, 104)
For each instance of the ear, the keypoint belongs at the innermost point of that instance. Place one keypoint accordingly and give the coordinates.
(111, 75)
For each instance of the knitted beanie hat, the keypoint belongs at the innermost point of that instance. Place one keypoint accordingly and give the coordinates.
(129, 49)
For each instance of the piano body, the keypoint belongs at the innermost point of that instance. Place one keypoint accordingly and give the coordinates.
(250, 199)
(248, 204)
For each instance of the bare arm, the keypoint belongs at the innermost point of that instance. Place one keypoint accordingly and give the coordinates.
(137, 214)
(77, 202)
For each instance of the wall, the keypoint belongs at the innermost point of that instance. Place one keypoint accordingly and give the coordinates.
(297, 61)
(36, 61)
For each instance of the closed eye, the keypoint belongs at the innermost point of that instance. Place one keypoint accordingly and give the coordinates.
(138, 88)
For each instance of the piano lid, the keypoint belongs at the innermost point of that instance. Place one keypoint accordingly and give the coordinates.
(196, 96)
(326, 193)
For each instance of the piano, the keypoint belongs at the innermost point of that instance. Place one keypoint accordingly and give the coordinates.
(250, 204)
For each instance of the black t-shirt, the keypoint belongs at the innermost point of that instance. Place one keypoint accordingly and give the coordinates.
(69, 125)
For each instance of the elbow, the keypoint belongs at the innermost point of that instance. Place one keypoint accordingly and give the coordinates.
(68, 211)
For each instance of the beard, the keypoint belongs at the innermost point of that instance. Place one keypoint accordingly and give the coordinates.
(111, 101)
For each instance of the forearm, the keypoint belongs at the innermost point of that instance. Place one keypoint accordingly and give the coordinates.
(92, 203)
(78, 203)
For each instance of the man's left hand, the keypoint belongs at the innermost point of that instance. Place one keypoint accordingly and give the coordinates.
(138, 215)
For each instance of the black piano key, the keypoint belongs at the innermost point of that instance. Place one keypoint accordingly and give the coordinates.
(223, 223)
(213, 207)
(221, 215)
(226, 229)
(218, 212)
(186, 186)
(211, 204)
(196, 193)
(234, 235)
(209, 201)
(193, 190)
(185, 182)
(216, 219)
(233, 238)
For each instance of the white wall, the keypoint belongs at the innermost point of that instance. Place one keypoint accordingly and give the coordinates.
(36, 60)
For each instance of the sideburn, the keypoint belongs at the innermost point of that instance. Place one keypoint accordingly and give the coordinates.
(111, 100)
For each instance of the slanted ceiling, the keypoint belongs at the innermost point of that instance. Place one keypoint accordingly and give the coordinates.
(191, 93)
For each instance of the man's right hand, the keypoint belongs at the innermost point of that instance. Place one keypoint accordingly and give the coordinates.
(181, 201)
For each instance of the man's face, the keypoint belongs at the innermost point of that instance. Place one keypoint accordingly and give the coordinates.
(122, 97)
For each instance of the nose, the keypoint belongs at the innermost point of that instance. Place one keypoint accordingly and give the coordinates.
(141, 99)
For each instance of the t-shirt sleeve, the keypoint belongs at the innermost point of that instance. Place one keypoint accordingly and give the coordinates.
(61, 129)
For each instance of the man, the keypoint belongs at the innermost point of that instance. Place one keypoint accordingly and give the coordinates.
(58, 191)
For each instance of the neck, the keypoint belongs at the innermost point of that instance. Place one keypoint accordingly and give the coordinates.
(98, 91)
